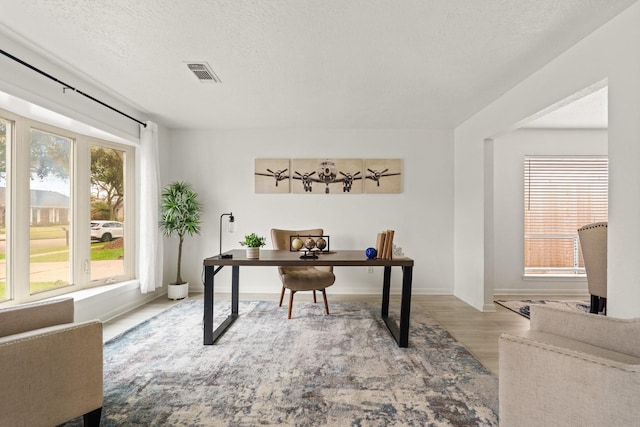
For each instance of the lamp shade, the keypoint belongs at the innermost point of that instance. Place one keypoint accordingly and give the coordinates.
(231, 228)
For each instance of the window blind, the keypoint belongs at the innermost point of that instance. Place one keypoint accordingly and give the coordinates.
(561, 194)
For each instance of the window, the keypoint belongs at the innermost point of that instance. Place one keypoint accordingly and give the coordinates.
(107, 205)
(49, 210)
(561, 194)
(5, 134)
(54, 189)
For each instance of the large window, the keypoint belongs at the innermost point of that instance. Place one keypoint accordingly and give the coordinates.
(66, 219)
(561, 194)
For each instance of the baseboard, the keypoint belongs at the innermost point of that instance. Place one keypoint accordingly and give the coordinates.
(497, 293)
(367, 291)
(489, 308)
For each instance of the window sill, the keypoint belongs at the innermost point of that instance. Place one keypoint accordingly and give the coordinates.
(557, 277)
(99, 290)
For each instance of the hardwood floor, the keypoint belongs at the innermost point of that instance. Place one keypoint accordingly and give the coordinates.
(477, 331)
(120, 324)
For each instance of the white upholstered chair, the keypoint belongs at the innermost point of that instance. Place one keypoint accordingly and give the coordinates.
(301, 278)
(51, 366)
(570, 369)
(593, 242)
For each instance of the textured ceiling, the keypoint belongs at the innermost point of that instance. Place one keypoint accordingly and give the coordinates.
(307, 63)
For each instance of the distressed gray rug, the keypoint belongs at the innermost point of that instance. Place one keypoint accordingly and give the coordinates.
(313, 370)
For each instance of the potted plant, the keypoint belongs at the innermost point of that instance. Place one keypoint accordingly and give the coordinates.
(180, 216)
(253, 244)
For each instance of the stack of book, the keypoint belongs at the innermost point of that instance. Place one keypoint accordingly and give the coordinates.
(384, 244)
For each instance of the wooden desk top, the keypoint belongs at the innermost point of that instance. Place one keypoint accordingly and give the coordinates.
(288, 258)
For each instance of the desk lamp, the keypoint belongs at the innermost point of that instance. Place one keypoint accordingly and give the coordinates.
(231, 228)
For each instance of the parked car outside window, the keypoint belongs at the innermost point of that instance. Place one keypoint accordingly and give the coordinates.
(105, 231)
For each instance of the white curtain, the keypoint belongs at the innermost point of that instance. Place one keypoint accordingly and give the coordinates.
(150, 238)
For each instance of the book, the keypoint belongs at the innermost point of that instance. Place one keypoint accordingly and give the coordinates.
(388, 243)
(380, 245)
(384, 244)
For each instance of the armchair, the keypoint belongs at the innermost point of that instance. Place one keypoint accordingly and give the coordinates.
(593, 242)
(301, 278)
(51, 367)
(570, 369)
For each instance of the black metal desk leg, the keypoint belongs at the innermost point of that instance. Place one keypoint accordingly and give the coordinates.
(235, 290)
(208, 305)
(211, 335)
(386, 288)
(405, 306)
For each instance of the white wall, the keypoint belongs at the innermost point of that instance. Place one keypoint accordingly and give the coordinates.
(608, 53)
(220, 165)
(508, 206)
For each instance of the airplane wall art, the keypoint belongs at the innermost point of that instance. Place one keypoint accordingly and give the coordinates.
(272, 176)
(383, 176)
(328, 176)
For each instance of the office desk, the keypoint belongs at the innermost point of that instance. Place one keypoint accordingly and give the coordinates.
(273, 258)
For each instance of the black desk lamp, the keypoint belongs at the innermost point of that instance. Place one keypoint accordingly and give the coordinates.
(232, 226)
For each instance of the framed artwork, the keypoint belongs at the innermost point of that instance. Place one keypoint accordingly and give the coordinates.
(383, 176)
(326, 176)
(272, 176)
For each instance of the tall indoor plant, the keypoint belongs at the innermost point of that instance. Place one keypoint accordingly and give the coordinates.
(180, 216)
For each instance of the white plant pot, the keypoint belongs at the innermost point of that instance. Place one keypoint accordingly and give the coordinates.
(180, 291)
(253, 253)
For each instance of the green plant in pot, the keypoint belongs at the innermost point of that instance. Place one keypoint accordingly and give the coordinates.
(180, 216)
(253, 242)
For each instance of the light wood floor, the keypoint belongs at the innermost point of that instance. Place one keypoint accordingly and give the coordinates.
(477, 331)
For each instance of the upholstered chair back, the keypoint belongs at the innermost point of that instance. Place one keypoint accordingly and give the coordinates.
(593, 241)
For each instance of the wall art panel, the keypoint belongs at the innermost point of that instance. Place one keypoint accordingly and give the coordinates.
(326, 176)
(383, 176)
(272, 176)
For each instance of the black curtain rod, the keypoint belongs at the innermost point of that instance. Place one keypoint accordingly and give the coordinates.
(67, 86)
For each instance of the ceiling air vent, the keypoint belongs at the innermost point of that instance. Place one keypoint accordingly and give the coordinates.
(203, 72)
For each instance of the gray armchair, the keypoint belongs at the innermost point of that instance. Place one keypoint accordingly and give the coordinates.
(51, 366)
(593, 241)
(301, 278)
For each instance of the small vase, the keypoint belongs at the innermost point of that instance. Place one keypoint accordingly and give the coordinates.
(253, 253)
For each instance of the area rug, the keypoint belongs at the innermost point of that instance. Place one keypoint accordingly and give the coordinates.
(313, 370)
(523, 307)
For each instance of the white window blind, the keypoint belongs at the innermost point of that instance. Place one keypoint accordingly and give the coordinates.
(561, 194)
